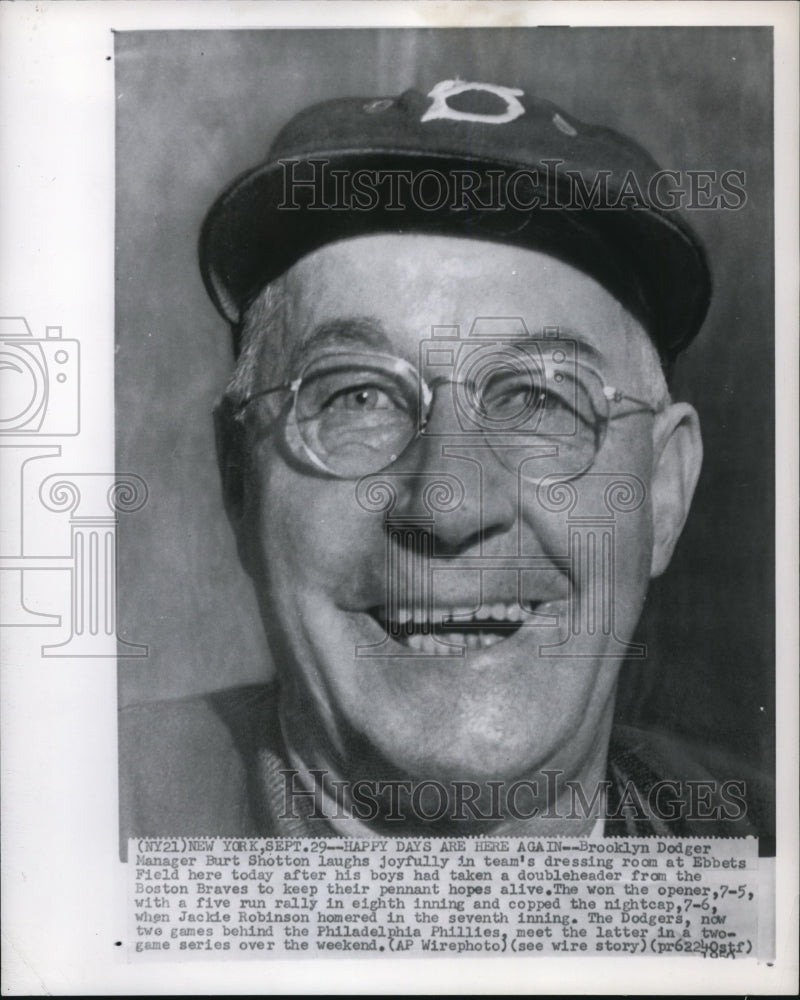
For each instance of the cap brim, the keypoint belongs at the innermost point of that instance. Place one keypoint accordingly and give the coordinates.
(648, 259)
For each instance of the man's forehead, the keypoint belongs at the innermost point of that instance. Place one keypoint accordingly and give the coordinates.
(391, 291)
(370, 333)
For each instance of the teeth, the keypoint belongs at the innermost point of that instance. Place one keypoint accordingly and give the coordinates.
(464, 615)
(427, 645)
(460, 614)
(437, 631)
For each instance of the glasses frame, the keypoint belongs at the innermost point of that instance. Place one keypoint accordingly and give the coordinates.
(612, 395)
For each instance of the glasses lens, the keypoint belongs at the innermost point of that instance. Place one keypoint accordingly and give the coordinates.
(501, 387)
(356, 413)
(569, 411)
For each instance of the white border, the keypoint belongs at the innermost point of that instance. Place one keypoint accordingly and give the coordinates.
(59, 760)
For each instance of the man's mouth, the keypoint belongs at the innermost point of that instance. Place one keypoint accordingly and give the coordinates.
(431, 630)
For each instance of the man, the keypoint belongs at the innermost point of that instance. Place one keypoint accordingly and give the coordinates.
(452, 465)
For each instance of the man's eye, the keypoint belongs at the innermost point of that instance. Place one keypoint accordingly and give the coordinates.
(340, 393)
(361, 398)
(516, 395)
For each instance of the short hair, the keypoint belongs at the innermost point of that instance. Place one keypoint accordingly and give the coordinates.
(263, 323)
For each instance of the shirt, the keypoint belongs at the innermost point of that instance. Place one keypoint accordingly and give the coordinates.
(211, 765)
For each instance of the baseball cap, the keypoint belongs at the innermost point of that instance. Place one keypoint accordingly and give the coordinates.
(476, 160)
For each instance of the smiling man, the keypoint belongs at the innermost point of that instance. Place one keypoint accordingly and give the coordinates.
(452, 466)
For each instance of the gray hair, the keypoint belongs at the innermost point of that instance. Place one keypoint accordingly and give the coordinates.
(262, 342)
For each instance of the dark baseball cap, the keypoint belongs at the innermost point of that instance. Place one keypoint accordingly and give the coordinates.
(467, 159)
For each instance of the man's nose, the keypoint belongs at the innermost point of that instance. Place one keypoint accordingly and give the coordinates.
(451, 480)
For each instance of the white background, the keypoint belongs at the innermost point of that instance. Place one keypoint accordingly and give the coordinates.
(62, 885)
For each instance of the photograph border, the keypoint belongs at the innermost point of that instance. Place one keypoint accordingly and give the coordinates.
(64, 887)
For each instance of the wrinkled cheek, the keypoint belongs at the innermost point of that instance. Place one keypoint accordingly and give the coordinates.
(308, 532)
(604, 552)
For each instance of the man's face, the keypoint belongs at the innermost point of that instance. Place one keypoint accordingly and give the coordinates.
(320, 559)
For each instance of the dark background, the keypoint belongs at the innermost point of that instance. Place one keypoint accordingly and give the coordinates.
(196, 108)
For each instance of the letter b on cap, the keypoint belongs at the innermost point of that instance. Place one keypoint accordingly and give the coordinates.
(450, 88)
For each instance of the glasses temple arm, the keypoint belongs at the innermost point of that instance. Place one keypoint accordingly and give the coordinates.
(291, 386)
(614, 395)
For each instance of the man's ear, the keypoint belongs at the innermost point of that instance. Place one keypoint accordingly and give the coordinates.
(677, 457)
(229, 435)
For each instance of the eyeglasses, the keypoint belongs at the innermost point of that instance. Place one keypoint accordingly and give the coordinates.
(355, 413)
